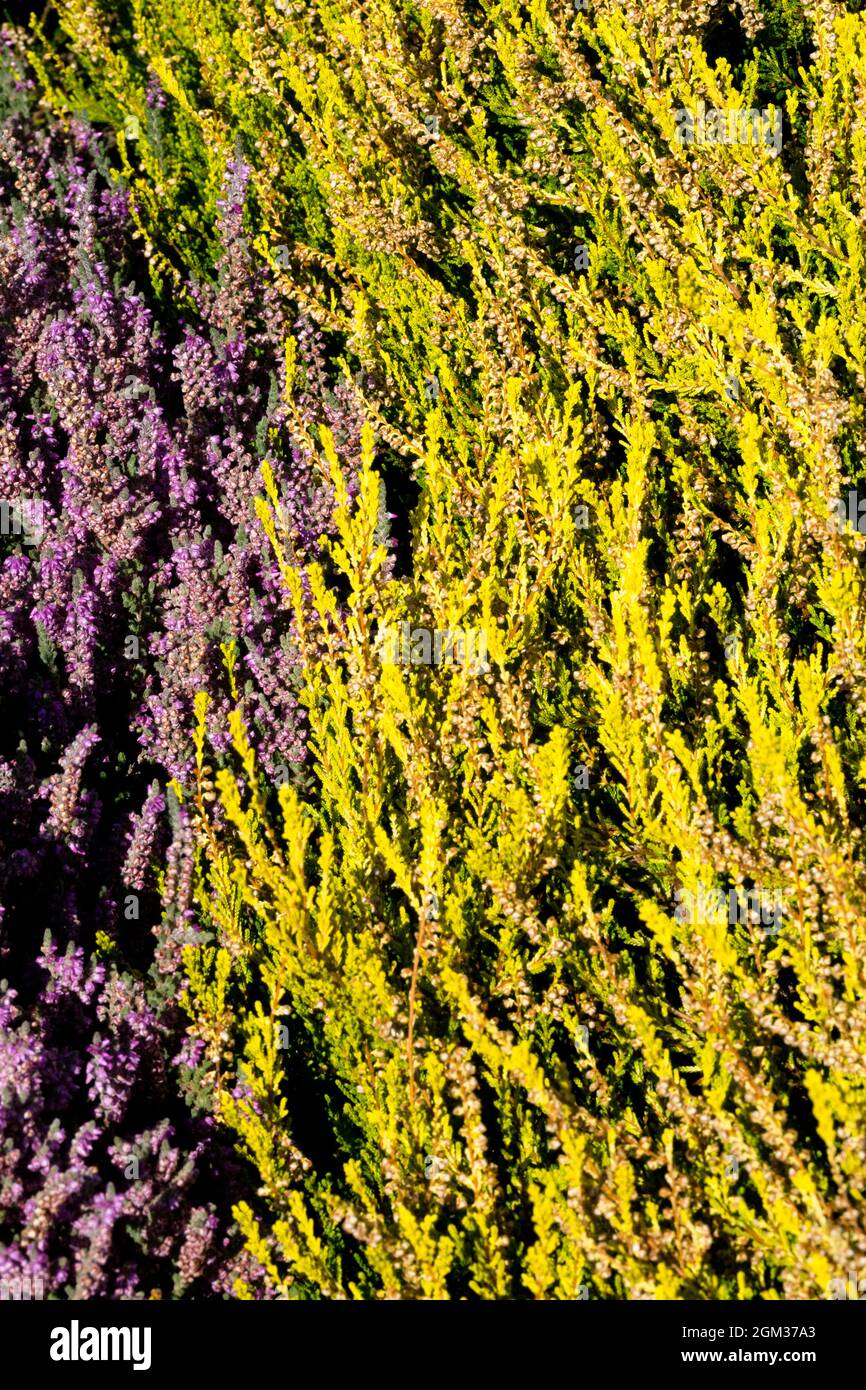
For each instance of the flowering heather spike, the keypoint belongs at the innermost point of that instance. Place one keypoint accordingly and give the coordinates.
(75, 1212)
(142, 438)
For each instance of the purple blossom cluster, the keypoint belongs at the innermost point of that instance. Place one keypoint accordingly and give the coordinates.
(136, 432)
(103, 1202)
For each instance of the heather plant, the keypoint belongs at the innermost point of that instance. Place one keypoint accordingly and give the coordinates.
(144, 453)
(524, 1071)
(137, 443)
(415, 170)
(452, 1010)
(73, 1101)
(475, 1002)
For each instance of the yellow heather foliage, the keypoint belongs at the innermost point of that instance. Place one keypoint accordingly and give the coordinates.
(545, 1059)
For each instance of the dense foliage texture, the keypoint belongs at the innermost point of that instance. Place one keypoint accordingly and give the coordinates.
(546, 978)
(129, 456)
